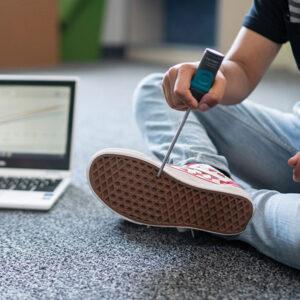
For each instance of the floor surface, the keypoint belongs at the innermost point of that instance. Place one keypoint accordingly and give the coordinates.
(80, 250)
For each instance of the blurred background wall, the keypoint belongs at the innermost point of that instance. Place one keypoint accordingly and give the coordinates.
(231, 14)
(28, 33)
(44, 33)
(141, 28)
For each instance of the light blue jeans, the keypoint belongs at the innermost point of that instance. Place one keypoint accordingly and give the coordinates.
(249, 141)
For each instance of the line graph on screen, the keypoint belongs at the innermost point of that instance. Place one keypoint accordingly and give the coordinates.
(33, 126)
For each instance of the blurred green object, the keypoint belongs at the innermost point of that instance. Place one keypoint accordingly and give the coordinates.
(81, 23)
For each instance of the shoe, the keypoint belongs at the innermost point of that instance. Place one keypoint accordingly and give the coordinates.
(195, 196)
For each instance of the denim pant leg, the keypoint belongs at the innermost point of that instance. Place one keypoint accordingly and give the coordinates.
(274, 229)
(256, 143)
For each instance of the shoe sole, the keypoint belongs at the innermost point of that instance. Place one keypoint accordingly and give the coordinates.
(129, 186)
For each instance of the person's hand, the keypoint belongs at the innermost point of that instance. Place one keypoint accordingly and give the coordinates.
(294, 162)
(176, 87)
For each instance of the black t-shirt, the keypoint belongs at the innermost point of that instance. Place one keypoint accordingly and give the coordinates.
(277, 20)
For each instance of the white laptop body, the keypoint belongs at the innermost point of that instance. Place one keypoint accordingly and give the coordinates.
(36, 130)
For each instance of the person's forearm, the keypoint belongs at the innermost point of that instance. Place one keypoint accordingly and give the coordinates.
(238, 85)
(245, 64)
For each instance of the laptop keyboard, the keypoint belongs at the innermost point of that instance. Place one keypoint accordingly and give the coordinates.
(29, 184)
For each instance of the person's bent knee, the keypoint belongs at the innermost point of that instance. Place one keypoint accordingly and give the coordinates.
(149, 84)
(295, 260)
(148, 90)
(289, 252)
(151, 80)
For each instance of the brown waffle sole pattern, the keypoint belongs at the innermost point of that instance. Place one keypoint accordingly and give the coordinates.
(129, 186)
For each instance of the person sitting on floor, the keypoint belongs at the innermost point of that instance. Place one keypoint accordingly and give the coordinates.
(230, 172)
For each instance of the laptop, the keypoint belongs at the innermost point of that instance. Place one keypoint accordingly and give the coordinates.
(36, 128)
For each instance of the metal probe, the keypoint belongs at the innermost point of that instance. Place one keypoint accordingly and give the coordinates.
(173, 142)
(200, 85)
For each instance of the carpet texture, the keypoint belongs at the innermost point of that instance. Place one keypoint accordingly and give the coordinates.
(80, 250)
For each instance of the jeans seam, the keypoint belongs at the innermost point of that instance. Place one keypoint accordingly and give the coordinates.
(285, 145)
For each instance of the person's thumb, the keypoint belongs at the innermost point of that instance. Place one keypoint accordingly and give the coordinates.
(215, 94)
(208, 101)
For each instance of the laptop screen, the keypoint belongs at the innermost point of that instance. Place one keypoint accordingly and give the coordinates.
(36, 124)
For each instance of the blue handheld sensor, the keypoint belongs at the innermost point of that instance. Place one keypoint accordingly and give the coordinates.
(206, 73)
(200, 85)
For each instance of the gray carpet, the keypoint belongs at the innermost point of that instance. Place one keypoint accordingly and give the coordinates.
(80, 250)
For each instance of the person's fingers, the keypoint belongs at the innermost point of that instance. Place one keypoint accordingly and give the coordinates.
(167, 89)
(215, 94)
(296, 172)
(182, 84)
(293, 160)
(208, 101)
(178, 102)
(168, 84)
